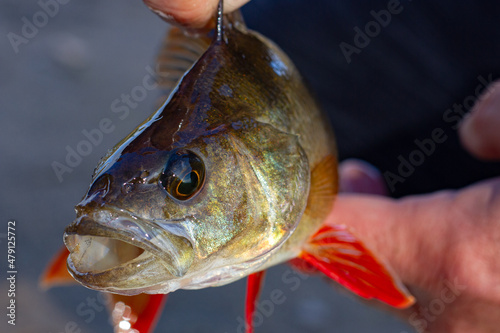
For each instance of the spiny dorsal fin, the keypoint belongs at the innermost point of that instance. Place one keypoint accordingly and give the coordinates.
(219, 28)
(179, 52)
(227, 21)
(181, 49)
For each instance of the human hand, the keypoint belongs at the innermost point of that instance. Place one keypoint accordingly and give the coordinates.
(443, 245)
(190, 13)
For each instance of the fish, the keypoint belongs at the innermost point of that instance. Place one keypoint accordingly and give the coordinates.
(234, 173)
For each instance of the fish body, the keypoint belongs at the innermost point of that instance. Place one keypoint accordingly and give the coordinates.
(236, 172)
(242, 116)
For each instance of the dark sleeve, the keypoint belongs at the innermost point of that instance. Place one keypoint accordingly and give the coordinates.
(395, 78)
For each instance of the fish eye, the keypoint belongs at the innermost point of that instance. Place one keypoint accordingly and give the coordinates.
(184, 175)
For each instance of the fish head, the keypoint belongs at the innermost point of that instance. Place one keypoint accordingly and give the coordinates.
(202, 193)
(194, 216)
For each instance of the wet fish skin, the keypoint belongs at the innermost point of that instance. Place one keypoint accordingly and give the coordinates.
(244, 111)
(235, 173)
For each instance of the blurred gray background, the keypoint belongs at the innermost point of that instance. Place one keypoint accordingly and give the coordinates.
(63, 79)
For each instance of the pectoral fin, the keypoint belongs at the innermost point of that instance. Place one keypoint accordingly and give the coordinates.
(139, 313)
(56, 273)
(336, 252)
(254, 286)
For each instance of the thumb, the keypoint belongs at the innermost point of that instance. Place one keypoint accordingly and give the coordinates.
(405, 233)
(396, 230)
(190, 13)
(357, 176)
(479, 132)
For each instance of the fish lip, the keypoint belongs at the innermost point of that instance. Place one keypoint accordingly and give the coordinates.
(100, 280)
(87, 226)
(115, 278)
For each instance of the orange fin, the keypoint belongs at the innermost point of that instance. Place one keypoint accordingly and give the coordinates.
(334, 251)
(139, 313)
(323, 188)
(254, 286)
(56, 272)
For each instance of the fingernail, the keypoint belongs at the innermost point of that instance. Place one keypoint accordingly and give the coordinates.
(478, 129)
(164, 16)
(357, 176)
(151, 4)
(486, 102)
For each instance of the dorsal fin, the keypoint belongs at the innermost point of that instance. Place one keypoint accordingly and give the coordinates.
(219, 26)
(179, 52)
(225, 22)
(181, 49)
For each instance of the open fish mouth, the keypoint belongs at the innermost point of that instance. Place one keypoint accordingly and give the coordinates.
(94, 254)
(125, 256)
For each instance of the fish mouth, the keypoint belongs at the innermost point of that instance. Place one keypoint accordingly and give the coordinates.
(125, 255)
(93, 254)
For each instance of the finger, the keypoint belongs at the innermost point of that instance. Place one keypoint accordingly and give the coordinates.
(479, 132)
(191, 13)
(428, 238)
(357, 176)
(404, 233)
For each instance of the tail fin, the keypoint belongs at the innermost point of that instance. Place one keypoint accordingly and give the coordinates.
(337, 253)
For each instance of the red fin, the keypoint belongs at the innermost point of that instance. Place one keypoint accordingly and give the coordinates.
(337, 253)
(56, 272)
(302, 266)
(135, 314)
(254, 285)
